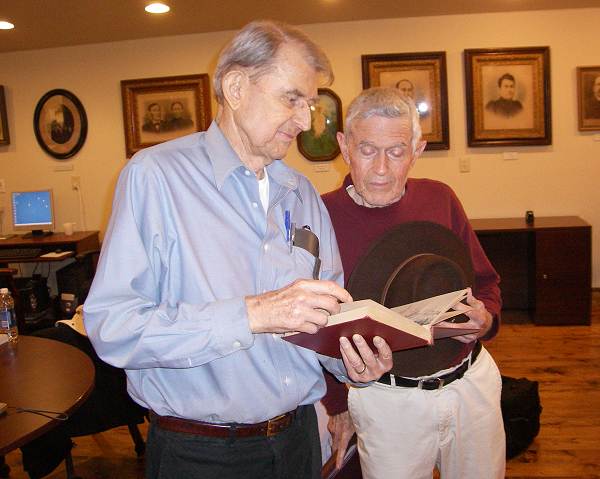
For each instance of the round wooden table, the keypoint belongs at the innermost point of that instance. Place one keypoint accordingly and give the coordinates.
(39, 373)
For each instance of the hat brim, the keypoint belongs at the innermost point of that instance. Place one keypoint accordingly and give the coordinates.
(410, 262)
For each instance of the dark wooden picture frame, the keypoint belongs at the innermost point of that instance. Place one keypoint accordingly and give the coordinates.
(320, 142)
(422, 76)
(60, 124)
(161, 109)
(588, 98)
(4, 134)
(508, 96)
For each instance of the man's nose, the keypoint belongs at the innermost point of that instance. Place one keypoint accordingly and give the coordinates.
(302, 117)
(381, 163)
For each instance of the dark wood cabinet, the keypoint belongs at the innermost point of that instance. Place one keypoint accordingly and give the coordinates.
(545, 267)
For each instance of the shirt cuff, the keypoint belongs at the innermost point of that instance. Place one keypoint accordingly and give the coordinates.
(230, 326)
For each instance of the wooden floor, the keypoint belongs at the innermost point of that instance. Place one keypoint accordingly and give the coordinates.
(565, 361)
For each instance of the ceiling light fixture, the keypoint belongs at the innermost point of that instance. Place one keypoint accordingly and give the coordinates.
(157, 7)
(6, 25)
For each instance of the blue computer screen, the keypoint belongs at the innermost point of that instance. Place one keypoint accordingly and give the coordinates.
(32, 208)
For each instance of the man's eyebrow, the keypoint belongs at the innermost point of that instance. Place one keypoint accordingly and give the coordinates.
(298, 93)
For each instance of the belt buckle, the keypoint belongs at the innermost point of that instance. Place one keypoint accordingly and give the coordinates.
(432, 382)
(273, 425)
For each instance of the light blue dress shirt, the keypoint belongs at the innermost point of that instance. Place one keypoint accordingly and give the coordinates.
(187, 241)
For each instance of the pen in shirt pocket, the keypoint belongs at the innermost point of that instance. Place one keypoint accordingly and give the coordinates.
(288, 228)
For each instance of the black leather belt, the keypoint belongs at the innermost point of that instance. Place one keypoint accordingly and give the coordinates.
(187, 426)
(433, 383)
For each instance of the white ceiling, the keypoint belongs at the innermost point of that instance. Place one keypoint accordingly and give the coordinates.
(55, 23)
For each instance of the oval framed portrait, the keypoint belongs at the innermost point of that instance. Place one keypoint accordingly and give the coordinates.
(60, 124)
(320, 142)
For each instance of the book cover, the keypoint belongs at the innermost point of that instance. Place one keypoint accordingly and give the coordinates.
(369, 319)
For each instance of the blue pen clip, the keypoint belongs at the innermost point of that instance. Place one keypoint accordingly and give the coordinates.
(288, 228)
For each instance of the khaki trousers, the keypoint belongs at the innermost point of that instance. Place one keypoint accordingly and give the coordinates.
(405, 432)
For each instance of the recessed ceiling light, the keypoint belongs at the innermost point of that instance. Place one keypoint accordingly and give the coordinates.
(6, 25)
(157, 7)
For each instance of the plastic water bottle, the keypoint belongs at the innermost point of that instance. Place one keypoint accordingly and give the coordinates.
(8, 320)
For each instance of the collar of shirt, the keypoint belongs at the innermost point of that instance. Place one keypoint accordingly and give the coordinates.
(359, 200)
(225, 161)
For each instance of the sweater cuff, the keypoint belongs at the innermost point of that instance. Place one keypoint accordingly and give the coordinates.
(336, 397)
(493, 330)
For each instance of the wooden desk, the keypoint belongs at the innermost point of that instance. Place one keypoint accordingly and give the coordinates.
(545, 267)
(78, 242)
(40, 373)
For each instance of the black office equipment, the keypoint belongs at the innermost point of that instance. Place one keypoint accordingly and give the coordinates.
(7, 254)
(35, 296)
(74, 280)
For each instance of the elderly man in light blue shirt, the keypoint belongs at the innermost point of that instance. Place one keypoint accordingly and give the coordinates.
(198, 277)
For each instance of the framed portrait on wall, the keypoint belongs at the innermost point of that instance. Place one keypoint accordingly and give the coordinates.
(588, 98)
(160, 109)
(508, 96)
(320, 142)
(4, 136)
(60, 124)
(422, 77)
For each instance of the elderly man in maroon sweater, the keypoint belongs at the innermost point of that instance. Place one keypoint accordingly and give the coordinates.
(404, 431)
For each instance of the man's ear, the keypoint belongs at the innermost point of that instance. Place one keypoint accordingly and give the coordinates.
(418, 151)
(420, 148)
(234, 85)
(341, 139)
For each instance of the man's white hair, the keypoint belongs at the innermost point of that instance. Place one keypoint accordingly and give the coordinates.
(255, 46)
(385, 102)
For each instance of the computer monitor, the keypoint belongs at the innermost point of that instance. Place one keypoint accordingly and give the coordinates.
(33, 211)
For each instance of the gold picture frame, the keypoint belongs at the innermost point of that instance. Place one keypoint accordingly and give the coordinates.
(588, 98)
(156, 110)
(421, 76)
(4, 134)
(508, 96)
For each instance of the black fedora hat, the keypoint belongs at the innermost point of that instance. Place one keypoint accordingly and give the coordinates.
(410, 262)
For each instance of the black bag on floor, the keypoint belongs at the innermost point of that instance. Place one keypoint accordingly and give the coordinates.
(521, 411)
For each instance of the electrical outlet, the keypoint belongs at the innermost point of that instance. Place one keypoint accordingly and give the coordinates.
(2, 186)
(75, 182)
(464, 164)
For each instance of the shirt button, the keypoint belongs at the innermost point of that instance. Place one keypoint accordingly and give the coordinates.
(287, 381)
(266, 247)
(237, 344)
(255, 204)
(247, 172)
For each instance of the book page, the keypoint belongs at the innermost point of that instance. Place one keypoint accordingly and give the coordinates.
(430, 311)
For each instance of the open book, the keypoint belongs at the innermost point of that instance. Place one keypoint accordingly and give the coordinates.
(403, 327)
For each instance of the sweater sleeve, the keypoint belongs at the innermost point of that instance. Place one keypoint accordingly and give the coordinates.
(336, 397)
(486, 287)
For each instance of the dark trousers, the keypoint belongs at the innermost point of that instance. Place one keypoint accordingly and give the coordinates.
(292, 454)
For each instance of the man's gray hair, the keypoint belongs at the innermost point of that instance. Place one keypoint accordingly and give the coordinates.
(255, 46)
(387, 103)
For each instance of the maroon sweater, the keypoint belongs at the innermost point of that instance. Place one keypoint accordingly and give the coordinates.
(423, 200)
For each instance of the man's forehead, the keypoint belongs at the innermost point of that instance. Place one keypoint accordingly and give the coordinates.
(382, 131)
(298, 77)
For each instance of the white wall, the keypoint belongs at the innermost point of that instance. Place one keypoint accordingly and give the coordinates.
(559, 179)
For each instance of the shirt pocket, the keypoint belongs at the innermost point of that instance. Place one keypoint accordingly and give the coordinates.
(304, 263)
